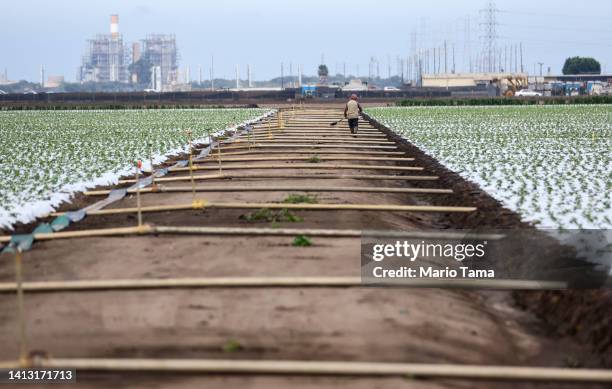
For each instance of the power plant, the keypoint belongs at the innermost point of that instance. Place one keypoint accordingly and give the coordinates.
(161, 52)
(107, 58)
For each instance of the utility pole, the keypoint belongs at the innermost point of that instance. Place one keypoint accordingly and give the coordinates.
(453, 59)
(506, 59)
(522, 69)
(445, 59)
(537, 79)
(250, 83)
(237, 77)
(199, 75)
(435, 70)
(212, 72)
(283, 75)
(516, 68)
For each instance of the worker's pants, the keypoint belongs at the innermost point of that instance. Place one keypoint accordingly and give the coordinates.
(353, 125)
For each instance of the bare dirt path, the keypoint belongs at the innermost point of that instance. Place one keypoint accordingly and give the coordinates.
(287, 323)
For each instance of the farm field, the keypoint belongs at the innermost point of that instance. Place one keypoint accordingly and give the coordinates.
(551, 164)
(48, 155)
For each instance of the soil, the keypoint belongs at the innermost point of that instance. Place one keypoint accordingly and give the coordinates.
(319, 323)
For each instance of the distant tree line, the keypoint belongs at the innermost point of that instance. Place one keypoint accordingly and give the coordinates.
(581, 65)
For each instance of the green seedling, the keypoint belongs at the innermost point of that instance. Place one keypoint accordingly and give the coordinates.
(231, 346)
(265, 214)
(301, 241)
(314, 159)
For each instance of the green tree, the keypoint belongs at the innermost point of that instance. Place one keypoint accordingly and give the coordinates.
(581, 65)
(323, 71)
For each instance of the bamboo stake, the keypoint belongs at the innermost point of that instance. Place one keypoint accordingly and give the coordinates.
(294, 176)
(321, 131)
(317, 141)
(268, 282)
(138, 204)
(197, 205)
(331, 368)
(304, 166)
(442, 234)
(189, 134)
(321, 138)
(151, 163)
(314, 146)
(144, 229)
(344, 134)
(321, 158)
(257, 231)
(308, 151)
(269, 130)
(281, 188)
(23, 344)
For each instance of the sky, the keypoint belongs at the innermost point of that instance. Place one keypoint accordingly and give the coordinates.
(265, 33)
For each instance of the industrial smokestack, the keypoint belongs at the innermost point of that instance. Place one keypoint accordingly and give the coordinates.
(249, 75)
(114, 27)
(237, 77)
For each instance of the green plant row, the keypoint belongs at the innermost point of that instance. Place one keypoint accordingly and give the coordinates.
(505, 101)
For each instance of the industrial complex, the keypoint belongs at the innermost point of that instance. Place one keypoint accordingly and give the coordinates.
(108, 58)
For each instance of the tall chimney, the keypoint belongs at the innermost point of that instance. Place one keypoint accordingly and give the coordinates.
(114, 27)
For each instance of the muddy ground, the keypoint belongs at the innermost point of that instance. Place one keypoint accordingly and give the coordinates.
(344, 324)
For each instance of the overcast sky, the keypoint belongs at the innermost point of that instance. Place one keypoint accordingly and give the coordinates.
(265, 33)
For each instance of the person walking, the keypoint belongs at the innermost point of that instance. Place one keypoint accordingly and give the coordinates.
(351, 112)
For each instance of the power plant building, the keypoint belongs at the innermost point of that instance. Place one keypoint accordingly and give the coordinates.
(160, 51)
(107, 58)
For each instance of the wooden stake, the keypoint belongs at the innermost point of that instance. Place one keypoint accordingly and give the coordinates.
(308, 151)
(138, 205)
(308, 158)
(267, 282)
(146, 229)
(295, 176)
(23, 344)
(297, 140)
(313, 146)
(334, 368)
(189, 133)
(304, 166)
(151, 162)
(282, 188)
(304, 207)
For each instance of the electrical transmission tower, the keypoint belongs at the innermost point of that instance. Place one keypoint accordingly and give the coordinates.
(489, 37)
